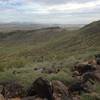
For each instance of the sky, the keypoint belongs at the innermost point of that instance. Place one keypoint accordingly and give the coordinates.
(50, 11)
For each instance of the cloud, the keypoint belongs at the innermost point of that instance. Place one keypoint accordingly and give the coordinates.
(62, 8)
(59, 5)
(58, 2)
(50, 11)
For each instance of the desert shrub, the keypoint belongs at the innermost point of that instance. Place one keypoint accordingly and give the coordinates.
(91, 97)
(7, 75)
(1, 67)
(15, 63)
(61, 76)
(97, 86)
(87, 98)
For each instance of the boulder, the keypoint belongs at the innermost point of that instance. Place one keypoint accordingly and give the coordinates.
(60, 91)
(97, 76)
(50, 70)
(32, 98)
(78, 87)
(88, 77)
(42, 88)
(15, 98)
(12, 89)
(1, 97)
(97, 58)
(83, 68)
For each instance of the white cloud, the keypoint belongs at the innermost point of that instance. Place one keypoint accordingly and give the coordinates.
(32, 7)
(74, 6)
(56, 12)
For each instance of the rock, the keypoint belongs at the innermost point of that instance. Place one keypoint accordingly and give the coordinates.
(96, 96)
(15, 98)
(27, 98)
(97, 58)
(76, 75)
(98, 61)
(88, 77)
(97, 76)
(32, 98)
(60, 91)
(98, 68)
(78, 87)
(39, 69)
(83, 68)
(77, 97)
(93, 62)
(12, 90)
(1, 97)
(42, 88)
(50, 70)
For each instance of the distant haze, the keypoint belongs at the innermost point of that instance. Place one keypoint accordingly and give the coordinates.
(49, 11)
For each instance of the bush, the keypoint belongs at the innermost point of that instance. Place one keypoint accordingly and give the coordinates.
(15, 63)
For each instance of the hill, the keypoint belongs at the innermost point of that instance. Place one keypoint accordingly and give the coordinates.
(93, 27)
(84, 39)
(23, 50)
(90, 35)
(36, 35)
(54, 40)
(8, 27)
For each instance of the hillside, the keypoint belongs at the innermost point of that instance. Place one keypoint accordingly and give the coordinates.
(30, 36)
(93, 27)
(8, 27)
(53, 39)
(82, 41)
(23, 50)
(90, 35)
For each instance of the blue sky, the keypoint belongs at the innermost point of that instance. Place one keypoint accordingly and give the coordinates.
(50, 11)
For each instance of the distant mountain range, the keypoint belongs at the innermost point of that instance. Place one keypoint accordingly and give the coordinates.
(32, 26)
